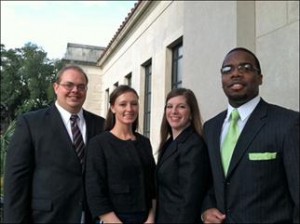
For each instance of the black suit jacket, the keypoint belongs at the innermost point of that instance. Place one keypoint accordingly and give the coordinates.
(43, 179)
(183, 177)
(262, 184)
(119, 174)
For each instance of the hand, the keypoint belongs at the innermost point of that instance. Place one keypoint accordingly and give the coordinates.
(213, 215)
(151, 214)
(149, 220)
(109, 218)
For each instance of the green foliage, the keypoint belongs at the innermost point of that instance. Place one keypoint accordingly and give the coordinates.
(5, 139)
(27, 76)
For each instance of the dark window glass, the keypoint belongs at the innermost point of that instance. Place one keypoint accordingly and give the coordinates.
(147, 105)
(128, 79)
(177, 56)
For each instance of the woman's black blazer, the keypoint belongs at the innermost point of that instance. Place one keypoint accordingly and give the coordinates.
(119, 174)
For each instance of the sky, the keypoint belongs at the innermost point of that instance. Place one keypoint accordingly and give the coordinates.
(51, 25)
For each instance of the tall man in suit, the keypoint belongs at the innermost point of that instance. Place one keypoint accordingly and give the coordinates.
(44, 176)
(261, 184)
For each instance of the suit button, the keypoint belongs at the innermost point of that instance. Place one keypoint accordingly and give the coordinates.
(227, 183)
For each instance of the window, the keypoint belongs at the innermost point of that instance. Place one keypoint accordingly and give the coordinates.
(107, 99)
(147, 101)
(177, 55)
(128, 79)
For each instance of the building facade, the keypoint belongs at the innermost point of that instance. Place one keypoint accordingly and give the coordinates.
(86, 57)
(167, 44)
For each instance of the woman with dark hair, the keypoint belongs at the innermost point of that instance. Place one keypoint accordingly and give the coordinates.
(183, 171)
(120, 165)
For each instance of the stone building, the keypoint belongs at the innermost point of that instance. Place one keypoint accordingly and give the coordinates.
(86, 57)
(166, 44)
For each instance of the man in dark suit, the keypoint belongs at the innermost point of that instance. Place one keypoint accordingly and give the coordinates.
(261, 184)
(44, 176)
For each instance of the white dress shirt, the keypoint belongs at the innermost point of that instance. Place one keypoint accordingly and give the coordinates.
(244, 111)
(66, 115)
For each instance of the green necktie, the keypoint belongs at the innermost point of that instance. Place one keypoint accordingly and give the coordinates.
(230, 140)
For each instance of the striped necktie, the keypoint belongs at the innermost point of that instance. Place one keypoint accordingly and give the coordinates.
(77, 138)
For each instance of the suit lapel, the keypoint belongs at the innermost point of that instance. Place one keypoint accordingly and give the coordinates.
(253, 126)
(171, 148)
(89, 125)
(57, 125)
(61, 136)
(216, 154)
(172, 145)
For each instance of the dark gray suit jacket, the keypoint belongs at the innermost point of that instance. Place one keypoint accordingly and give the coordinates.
(44, 180)
(262, 184)
(183, 177)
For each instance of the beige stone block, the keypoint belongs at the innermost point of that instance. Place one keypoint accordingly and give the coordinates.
(271, 15)
(293, 11)
(280, 66)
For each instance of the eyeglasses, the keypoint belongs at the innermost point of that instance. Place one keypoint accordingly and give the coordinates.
(242, 68)
(69, 86)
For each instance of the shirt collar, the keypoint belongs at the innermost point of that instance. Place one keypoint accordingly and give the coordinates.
(66, 114)
(245, 110)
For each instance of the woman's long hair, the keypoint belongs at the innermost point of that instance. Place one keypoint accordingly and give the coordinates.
(110, 117)
(196, 120)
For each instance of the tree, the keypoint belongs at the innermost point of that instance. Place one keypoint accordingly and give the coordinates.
(11, 86)
(27, 76)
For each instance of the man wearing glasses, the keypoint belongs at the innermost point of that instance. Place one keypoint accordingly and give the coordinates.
(256, 167)
(44, 171)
